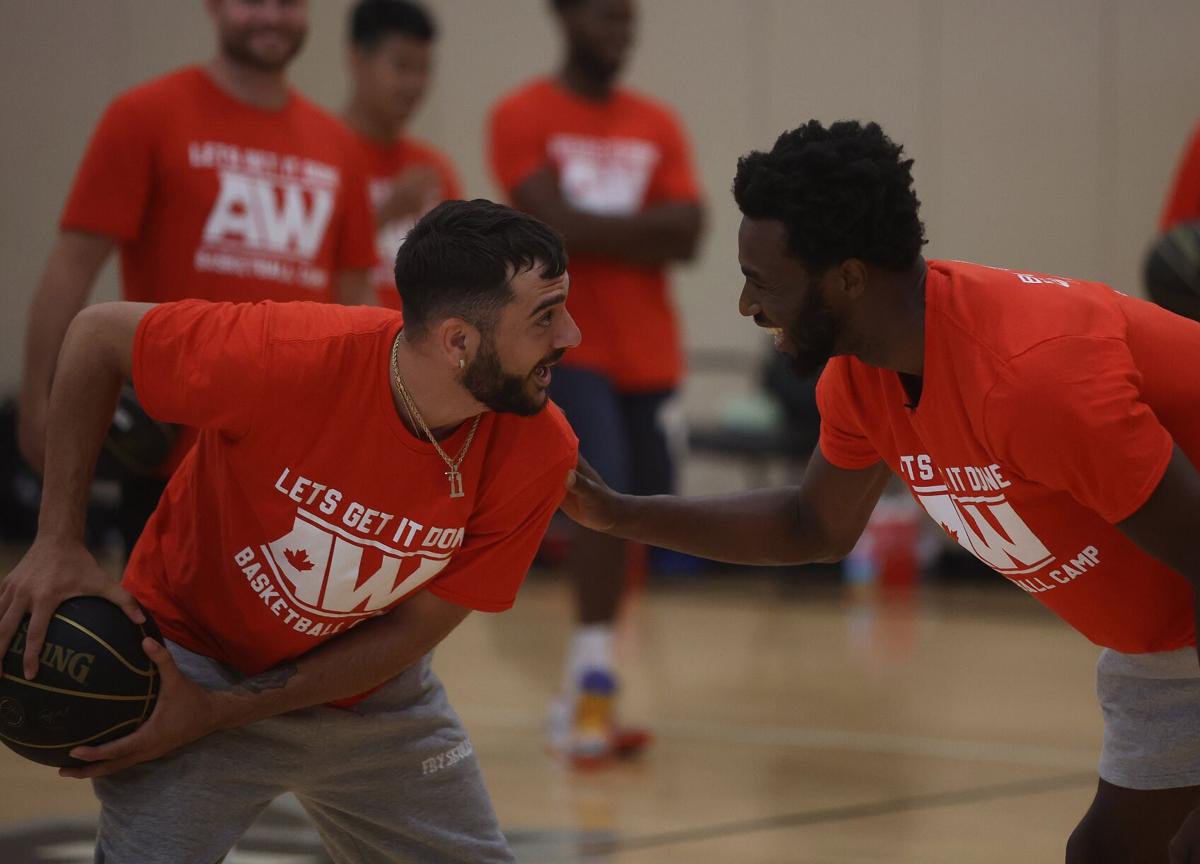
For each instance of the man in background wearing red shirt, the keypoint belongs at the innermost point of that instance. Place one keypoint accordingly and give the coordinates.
(391, 55)
(358, 486)
(1043, 422)
(216, 181)
(1183, 199)
(1172, 266)
(611, 170)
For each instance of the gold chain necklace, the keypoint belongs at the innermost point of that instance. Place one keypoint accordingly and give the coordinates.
(454, 475)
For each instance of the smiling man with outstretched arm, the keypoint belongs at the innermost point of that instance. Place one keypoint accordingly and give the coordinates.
(1047, 424)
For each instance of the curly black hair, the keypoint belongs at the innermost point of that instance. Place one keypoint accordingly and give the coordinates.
(842, 192)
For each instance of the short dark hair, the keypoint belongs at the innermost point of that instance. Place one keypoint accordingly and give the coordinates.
(372, 20)
(842, 192)
(460, 256)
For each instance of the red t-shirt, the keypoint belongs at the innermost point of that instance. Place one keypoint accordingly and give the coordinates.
(614, 158)
(306, 506)
(383, 164)
(1048, 412)
(212, 198)
(1183, 201)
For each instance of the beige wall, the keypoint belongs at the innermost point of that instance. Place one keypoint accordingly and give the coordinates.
(1045, 131)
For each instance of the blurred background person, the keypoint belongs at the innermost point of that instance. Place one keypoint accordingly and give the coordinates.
(611, 170)
(391, 58)
(1183, 198)
(1172, 267)
(216, 181)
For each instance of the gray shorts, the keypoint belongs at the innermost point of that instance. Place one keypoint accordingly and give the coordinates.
(1151, 705)
(394, 779)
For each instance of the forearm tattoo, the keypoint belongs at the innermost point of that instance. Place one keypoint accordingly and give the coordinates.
(275, 678)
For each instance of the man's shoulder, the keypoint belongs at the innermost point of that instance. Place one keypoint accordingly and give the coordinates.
(846, 377)
(1009, 312)
(547, 430)
(175, 89)
(327, 322)
(532, 95)
(529, 447)
(420, 151)
(648, 108)
(324, 121)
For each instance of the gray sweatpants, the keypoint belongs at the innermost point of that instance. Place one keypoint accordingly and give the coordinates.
(394, 779)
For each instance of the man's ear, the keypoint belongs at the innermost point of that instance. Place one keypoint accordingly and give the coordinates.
(457, 341)
(854, 278)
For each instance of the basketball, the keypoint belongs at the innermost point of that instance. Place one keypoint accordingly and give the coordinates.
(94, 683)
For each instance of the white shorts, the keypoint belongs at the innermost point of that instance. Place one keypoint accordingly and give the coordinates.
(1151, 705)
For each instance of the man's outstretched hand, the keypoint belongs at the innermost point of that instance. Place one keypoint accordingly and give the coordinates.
(590, 501)
(185, 711)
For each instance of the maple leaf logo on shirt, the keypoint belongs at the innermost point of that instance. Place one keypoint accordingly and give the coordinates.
(953, 534)
(298, 559)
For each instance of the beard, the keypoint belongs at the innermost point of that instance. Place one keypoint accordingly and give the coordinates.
(814, 335)
(239, 47)
(486, 380)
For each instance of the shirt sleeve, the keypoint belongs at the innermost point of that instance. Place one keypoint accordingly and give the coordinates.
(674, 178)
(202, 364)
(842, 441)
(516, 145)
(112, 186)
(501, 543)
(1069, 414)
(1183, 199)
(356, 231)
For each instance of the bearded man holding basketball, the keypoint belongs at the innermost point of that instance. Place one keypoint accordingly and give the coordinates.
(360, 484)
(1048, 425)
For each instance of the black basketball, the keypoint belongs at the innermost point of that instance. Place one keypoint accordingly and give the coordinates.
(94, 682)
(1172, 270)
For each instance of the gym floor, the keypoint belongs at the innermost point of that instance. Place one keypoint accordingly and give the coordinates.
(796, 720)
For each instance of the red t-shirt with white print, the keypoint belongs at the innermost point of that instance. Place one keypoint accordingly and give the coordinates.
(1049, 410)
(212, 198)
(613, 158)
(306, 506)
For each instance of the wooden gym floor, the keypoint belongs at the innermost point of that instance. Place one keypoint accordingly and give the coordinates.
(795, 723)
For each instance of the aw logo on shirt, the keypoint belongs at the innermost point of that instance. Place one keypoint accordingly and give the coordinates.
(326, 571)
(971, 507)
(606, 176)
(270, 215)
(267, 215)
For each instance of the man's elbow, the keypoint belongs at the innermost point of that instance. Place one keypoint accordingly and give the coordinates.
(106, 332)
(819, 546)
